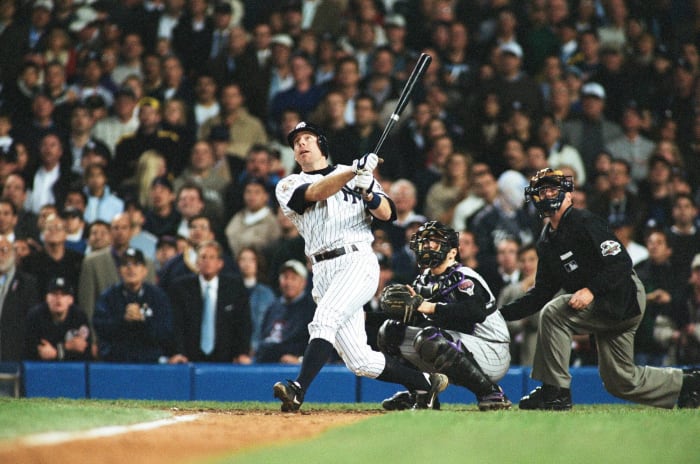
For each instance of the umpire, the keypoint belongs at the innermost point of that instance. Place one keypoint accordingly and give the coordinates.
(601, 295)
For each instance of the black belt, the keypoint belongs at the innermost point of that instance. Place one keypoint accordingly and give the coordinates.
(318, 257)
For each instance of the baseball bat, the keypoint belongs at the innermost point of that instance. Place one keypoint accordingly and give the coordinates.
(418, 71)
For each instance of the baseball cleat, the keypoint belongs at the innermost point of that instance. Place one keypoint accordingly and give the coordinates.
(494, 401)
(547, 397)
(429, 400)
(290, 394)
(689, 397)
(399, 401)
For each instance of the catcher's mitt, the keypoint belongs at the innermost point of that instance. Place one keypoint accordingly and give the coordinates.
(397, 302)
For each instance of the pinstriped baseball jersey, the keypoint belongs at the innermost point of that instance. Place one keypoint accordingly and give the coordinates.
(341, 219)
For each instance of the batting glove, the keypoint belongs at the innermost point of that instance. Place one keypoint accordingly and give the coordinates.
(368, 162)
(364, 181)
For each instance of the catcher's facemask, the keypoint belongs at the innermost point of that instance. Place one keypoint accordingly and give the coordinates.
(547, 190)
(433, 231)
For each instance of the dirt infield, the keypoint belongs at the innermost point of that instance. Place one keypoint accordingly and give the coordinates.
(212, 434)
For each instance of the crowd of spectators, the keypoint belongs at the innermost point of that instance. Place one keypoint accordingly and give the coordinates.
(141, 141)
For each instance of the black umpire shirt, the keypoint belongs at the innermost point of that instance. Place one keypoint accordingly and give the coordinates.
(581, 253)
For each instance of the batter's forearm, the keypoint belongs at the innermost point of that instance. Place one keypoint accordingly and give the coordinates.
(328, 185)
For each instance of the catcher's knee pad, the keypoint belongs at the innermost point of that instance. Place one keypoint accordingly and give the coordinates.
(430, 343)
(390, 337)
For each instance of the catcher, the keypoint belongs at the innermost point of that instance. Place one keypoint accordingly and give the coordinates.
(446, 322)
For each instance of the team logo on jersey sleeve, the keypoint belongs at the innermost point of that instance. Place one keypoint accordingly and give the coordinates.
(610, 248)
(467, 286)
(285, 184)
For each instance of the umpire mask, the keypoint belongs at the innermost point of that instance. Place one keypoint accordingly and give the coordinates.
(433, 231)
(540, 190)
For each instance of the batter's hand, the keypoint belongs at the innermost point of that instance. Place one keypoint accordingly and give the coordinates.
(581, 299)
(368, 162)
(364, 181)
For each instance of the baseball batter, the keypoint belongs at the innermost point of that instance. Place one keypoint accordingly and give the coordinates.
(457, 329)
(334, 220)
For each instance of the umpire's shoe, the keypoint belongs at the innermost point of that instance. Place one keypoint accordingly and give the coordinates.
(429, 400)
(547, 397)
(494, 400)
(690, 391)
(290, 394)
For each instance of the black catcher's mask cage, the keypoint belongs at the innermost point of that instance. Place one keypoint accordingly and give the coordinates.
(434, 231)
(548, 178)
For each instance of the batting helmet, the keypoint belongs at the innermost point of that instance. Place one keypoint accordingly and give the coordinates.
(434, 231)
(548, 178)
(306, 127)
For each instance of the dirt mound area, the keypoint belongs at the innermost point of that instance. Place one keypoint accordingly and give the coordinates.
(212, 433)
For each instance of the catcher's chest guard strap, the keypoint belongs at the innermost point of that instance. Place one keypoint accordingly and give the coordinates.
(439, 288)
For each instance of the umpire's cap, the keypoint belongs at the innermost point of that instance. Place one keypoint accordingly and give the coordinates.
(306, 127)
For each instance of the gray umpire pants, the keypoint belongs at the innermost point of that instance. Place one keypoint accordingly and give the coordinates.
(652, 386)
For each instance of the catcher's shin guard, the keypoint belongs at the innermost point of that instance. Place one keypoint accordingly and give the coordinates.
(453, 360)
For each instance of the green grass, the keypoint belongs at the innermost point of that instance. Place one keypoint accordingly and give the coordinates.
(458, 434)
(594, 434)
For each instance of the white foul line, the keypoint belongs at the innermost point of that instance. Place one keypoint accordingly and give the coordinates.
(55, 438)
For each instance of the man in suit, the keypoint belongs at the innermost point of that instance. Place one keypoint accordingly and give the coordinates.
(211, 312)
(18, 293)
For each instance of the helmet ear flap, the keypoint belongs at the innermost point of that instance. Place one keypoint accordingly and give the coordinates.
(323, 144)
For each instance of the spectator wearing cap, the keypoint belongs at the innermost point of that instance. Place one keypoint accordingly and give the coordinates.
(15, 190)
(162, 218)
(513, 84)
(304, 95)
(57, 329)
(124, 121)
(149, 136)
(227, 166)
(590, 132)
(166, 248)
(18, 292)
(133, 318)
(75, 229)
(255, 225)
(245, 129)
(55, 258)
(80, 137)
(632, 145)
(212, 312)
(280, 72)
(100, 269)
(284, 333)
(102, 203)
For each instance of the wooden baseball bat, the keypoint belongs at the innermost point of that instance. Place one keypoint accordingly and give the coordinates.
(417, 73)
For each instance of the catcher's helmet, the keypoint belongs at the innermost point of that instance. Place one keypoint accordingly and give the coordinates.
(306, 127)
(548, 178)
(436, 232)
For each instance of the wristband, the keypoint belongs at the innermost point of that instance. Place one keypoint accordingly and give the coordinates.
(374, 202)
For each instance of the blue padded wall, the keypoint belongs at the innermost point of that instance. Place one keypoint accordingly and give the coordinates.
(140, 381)
(55, 379)
(223, 382)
